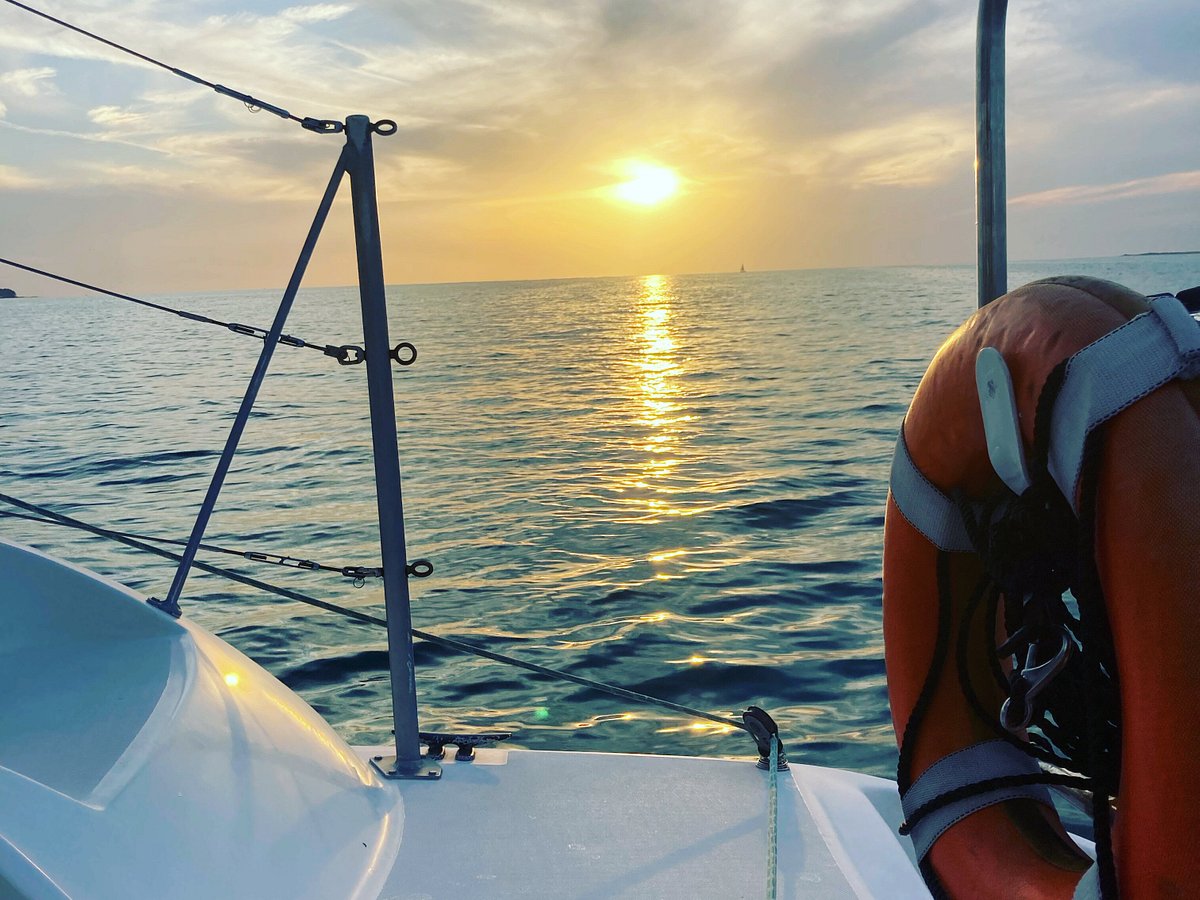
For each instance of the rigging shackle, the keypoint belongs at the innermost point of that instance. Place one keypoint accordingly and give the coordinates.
(347, 354)
(322, 126)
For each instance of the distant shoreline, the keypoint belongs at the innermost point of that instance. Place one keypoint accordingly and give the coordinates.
(1165, 253)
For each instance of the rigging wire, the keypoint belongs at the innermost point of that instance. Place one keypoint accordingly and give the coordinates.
(419, 568)
(322, 126)
(346, 354)
(367, 619)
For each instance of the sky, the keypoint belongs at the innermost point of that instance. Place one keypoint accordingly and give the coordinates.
(798, 134)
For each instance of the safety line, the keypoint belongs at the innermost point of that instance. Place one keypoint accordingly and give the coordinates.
(346, 354)
(366, 618)
(322, 126)
(358, 573)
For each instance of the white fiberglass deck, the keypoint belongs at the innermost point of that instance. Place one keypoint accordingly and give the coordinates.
(142, 757)
(548, 824)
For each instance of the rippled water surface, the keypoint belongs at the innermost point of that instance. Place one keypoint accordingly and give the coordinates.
(674, 484)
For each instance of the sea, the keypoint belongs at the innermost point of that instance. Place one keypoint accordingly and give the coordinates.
(673, 484)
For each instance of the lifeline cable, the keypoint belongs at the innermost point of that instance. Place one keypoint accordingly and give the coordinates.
(321, 126)
(358, 573)
(366, 618)
(346, 354)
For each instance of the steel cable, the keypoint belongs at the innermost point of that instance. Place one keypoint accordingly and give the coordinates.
(323, 126)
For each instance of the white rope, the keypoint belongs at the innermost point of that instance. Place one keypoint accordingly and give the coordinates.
(773, 822)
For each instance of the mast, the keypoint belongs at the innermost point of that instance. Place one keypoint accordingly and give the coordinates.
(990, 191)
(360, 166)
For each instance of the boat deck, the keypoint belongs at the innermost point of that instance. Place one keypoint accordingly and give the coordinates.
(521, 823)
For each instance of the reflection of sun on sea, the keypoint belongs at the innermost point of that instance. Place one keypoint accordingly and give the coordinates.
(657, 370)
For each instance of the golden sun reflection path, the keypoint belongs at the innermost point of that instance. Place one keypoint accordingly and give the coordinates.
(662, 422)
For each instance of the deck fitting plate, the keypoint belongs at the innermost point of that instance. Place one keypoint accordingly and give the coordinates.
(423, 769)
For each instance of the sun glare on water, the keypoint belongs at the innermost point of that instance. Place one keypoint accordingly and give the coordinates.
(646, 184)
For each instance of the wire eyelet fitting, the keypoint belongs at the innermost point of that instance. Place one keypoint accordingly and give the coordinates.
(384, 127)
(404, 346)
(420, 568)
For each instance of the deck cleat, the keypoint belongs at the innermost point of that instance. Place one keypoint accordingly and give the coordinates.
(466, 743)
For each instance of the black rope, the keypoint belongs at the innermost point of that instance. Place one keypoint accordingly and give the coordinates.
(347, 355)
(365, 618)
(323, 126)
(357, 573)
(925, 698)
(1103, 734)
(1041, 417)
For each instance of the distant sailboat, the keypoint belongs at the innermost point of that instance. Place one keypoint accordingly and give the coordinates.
(743, 268)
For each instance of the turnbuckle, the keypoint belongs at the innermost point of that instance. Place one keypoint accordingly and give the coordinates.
(261, 334)
(1027, 682)
(275, 559)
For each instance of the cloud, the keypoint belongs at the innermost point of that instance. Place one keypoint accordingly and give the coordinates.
(29, 83)
(1172, 183)
(12, 178)
(914, 151)
(59, 133)
(317, 12)
(116, 117)
(523, 104)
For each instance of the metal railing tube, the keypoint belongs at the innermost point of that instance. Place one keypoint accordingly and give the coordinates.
(270, 342)
(408, 761)
(990, 190)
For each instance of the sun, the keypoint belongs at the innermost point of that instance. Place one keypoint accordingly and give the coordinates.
(645, 184)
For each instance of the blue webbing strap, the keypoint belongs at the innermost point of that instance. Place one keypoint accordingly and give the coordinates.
(1115, 372)
(979, 762)
(925, 507)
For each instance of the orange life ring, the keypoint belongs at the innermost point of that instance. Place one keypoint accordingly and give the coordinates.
(1147, 497)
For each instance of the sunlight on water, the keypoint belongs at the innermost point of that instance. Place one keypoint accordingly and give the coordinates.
(673, 484)
(656, 394)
